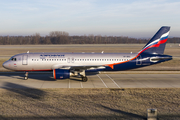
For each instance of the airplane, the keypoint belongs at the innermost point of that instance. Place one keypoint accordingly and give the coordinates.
(65, 65)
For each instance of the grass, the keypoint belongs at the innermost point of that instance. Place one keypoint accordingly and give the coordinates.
(88, 103)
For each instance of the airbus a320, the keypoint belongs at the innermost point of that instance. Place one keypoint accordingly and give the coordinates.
(65, 65)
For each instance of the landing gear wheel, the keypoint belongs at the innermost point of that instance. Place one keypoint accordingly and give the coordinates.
(25, 78)
(84, 79)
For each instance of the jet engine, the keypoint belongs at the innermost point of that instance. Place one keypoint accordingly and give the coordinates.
(61, 74)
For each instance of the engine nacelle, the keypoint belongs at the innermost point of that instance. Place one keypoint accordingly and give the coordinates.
(61, 74)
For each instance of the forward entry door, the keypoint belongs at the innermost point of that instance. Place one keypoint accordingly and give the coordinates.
(25, 59)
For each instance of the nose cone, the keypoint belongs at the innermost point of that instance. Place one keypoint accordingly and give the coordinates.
(5, 65)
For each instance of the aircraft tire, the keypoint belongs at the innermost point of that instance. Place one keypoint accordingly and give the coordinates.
(84, 79)
(25, 78)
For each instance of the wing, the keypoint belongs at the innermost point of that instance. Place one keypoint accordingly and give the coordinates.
(77, 68)
(86, 67)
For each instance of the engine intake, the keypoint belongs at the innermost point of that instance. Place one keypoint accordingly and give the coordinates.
(61, 74)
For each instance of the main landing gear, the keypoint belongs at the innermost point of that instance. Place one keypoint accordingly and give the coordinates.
(26, 76)
(84, 78)
(80, 73)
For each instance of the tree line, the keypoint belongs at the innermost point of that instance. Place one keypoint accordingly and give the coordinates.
(61, 37)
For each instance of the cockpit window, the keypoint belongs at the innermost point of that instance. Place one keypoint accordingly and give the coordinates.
(12, 59)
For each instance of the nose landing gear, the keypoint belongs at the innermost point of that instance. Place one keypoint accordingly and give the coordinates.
(26, 76)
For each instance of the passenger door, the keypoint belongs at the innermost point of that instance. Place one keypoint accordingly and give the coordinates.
(25, 59)
(138, 60)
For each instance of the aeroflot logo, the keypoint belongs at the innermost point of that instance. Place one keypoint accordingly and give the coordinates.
(51, 56)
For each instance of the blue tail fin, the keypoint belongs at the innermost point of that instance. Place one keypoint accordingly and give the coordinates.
(158, 42)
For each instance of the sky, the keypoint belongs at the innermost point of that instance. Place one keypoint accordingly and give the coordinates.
(133, 18)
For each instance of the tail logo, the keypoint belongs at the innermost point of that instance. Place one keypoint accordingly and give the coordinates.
(156, 43)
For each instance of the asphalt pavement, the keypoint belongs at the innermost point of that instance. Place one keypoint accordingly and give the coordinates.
(10, 80)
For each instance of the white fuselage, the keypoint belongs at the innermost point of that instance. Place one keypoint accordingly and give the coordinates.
(50, 61)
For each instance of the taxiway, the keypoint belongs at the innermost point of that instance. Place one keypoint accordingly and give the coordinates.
(10, 80)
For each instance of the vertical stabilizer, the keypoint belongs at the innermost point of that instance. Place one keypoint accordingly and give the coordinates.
(158, 42)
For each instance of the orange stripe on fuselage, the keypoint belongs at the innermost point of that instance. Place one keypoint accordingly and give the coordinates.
(112, 65)
(54, 72)
(156, 45)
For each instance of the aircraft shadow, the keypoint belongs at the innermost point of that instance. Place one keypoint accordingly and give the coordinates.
(131, 115)
(24, 90)
(43, 76)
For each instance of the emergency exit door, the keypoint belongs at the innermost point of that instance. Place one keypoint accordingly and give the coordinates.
(70, 60)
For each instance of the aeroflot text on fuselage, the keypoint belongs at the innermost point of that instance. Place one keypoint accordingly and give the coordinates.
(43, 56)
